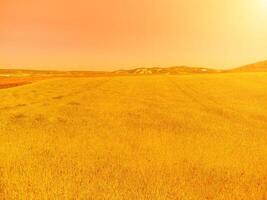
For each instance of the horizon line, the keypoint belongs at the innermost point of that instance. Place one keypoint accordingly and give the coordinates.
(69, 69)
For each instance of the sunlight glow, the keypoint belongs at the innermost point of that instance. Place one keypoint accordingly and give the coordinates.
(263, 6)
(127, 33)
(264, 3)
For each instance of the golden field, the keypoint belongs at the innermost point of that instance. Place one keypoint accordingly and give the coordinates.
(187, 137)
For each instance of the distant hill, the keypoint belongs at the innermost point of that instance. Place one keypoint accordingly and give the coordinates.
(168, 70)
(255, 67)
(175, 70)
(40, 73)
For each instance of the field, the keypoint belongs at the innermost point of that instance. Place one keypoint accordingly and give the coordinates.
(184, 137)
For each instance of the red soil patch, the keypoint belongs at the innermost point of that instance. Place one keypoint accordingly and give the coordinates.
(14, 82)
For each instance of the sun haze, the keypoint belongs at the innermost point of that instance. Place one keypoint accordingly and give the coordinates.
(111, 34)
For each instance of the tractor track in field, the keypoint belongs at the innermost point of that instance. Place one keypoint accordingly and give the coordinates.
(211, 106)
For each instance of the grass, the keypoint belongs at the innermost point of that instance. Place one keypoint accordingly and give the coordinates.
(144, 137)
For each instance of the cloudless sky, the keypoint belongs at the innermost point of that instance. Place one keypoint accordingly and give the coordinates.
(112, 34)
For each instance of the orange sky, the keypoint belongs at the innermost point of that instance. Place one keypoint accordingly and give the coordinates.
(112, 34)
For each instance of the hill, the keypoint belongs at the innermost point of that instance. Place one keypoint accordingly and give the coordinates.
(16, 77)
(255, 67)
(167, 70)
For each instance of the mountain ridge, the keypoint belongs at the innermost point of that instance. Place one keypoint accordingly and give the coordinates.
(254, 67)
(167, 70)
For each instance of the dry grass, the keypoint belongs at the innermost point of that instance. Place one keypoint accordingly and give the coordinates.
(155, 137)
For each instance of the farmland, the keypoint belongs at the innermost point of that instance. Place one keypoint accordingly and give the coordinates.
(135, 137)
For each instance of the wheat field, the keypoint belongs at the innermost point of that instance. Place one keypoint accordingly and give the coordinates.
(188, 137)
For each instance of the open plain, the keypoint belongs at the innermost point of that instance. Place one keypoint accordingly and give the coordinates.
(185, 137)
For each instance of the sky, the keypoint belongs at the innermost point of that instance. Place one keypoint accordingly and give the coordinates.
(116, 34)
